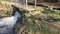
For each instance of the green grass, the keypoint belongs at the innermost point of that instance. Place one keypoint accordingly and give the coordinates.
(52, 13)
(36, 25)
(33, 26)
(56, 16)
(6, 2)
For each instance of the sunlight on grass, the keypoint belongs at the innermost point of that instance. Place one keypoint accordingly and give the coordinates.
(52, 13)
(8, 3)
(55, 16)
(58, 22)
(40, 8)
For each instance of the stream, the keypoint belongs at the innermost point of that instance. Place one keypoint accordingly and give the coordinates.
(7, 23)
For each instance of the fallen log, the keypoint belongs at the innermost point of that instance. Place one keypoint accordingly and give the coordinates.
(38, 4)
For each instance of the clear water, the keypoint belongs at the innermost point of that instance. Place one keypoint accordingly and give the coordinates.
(7, 23)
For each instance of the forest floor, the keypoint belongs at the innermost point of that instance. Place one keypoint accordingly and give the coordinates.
(39, 21)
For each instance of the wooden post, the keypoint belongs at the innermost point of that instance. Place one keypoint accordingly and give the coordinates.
(24, 2)
(16, 2)
(35, 3)
(26, 5)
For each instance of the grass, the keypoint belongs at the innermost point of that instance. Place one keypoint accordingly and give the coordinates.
(34, 25)
(5, 13)
(6, 2)
(46, 29)
(54, 14)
